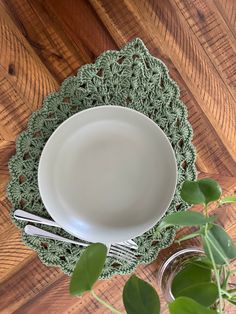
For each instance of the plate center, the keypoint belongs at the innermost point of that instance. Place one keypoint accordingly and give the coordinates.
(107, 171)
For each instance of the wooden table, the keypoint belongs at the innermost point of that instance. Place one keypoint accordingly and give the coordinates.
(43, 42)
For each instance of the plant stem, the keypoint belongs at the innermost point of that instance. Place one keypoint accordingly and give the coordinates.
(216, 272)
(226, 277)
(226, 293)
(111, 308)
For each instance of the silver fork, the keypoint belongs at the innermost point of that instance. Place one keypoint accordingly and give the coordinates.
(20, 214)
(117, 250)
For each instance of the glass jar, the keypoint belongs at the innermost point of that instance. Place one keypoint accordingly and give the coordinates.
(172, 266)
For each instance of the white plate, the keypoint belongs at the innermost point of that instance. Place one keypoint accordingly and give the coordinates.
(107, 174)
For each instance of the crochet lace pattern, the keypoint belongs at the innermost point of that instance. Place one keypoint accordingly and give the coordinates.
(129, 77)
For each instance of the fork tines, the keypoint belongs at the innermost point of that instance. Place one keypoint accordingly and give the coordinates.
(122, 252)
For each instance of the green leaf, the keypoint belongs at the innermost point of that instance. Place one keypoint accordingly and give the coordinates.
(188, 276)
(139, 297)
(188, 218)
(202, 191)
(228, 199)
(205, 293)
(184, 305)
(201, 261)
(221, 245)
(191, 193)
(88, 268)
(187, 237)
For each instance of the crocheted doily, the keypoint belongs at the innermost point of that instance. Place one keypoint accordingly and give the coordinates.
(130, 77)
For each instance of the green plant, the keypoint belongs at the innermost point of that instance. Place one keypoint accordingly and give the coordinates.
(200, 286)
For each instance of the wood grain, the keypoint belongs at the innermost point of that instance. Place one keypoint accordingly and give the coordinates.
(46, 37)
(227, 8)
(43, 42)
(215, 37)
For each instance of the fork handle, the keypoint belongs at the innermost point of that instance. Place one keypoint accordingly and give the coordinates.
(37, 232)
(23, 215)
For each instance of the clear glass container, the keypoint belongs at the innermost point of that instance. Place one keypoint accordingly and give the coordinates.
(172, 266)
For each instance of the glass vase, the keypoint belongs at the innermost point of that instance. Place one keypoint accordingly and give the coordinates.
(172, 266)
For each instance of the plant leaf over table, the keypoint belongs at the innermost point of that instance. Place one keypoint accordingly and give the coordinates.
(221, 245)
(140, 297)
(198, 288)
(228, 199)
(188, 218)
(200, 192)
(87, 272)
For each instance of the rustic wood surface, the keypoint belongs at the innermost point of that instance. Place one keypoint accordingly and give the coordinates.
(43, 42)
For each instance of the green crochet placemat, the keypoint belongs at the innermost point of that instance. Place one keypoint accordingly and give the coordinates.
(130, 77)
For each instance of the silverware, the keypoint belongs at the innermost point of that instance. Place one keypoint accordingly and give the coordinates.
(117, 250)
(23, 215)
